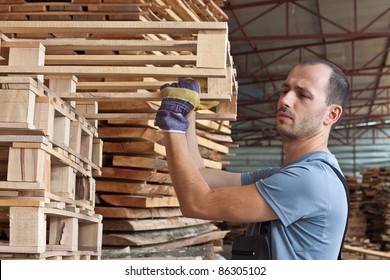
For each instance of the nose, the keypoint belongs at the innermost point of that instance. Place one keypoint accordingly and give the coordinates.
(286, 99)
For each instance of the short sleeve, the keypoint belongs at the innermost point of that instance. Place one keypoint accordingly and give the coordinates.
(295, 192)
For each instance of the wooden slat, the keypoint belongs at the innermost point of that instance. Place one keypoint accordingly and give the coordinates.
(140, 201)
(122, 60)
(140, 162)
(115, 45)
(137, 213)
(136, 175)
(128, 27)
(385, 255)
(129, 86)
(148, 134)
(156, 237)
(114, 71)
(202, 238)
(132, 188)
(146, 148)
(151, 116)
(150, 224)
(128, 107)
(143, 95)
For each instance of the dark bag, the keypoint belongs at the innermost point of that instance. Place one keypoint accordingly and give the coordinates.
(253, 247)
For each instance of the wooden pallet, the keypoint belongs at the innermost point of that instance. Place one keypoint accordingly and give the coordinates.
(48, 145)
(42, 228)
(113, 10)
(137, 68)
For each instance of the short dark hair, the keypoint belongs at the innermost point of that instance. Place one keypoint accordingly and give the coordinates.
(338, 85)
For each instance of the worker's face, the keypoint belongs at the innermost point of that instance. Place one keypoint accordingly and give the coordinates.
(302, 104)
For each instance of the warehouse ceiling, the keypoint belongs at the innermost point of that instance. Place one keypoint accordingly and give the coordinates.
(269, 37)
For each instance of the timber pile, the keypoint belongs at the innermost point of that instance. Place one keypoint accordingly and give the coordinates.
(357, 225)
(47, 161)
(117, 67)
(138, 202)
(112, 10)
(369, 210)
(375, 188)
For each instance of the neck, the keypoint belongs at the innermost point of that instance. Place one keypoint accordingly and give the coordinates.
(296, 149)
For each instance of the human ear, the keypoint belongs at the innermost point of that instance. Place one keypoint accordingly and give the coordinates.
(333, 114)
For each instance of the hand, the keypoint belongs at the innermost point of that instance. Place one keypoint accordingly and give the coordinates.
(179, 100)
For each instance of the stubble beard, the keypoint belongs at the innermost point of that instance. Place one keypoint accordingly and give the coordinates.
(299, 131)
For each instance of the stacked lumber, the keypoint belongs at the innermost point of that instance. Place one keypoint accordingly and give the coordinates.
(357, 225)
(375, 184)
(48, 157)
(112, 10)
(116, 68)
(363, 249)
(135, 191)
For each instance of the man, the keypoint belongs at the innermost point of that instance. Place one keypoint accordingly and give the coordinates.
(304, 200)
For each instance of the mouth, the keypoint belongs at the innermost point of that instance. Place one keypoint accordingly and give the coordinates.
(284, 116)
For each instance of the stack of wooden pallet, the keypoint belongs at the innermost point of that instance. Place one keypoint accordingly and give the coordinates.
(47, 161)
(120, 66)
(357, 224)
(376, 199)
(113, 10)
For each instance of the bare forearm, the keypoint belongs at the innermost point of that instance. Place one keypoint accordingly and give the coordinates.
(187, 180)
(215, 178)
(192, 143)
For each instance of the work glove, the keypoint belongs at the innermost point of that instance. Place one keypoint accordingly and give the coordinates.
(179, 100)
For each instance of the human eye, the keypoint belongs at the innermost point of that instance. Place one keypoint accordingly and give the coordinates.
(284, 90)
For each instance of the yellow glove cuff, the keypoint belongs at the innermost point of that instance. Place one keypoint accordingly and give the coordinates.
(189, 96)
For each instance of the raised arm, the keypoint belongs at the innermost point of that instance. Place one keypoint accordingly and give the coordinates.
(215, 178)
(202, 193)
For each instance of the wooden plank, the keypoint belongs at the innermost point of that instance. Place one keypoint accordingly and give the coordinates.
(114, 71)
(150, 224)
(53, 197)
(140, 201)
(107, 86)
(21, 203)
(135, 175)
(133, 188)
(115, 96)
(212, 145)
(212, 49)
(148, 134)
(128, 107)
(143, 123)
(17, 106)
(120, 60)
(180, 8)
(156, 237)
(27, 227)
(24, 138)
(116, 27)
(140, 162)
(212, 125)
(140, 116)
(115, 45)
(199, 252)
(385, 255)
(136, 148)
(175, 244)
(137, 213)
(27, 165)
(215, 137)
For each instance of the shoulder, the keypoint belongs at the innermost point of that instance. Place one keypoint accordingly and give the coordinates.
(254, 176)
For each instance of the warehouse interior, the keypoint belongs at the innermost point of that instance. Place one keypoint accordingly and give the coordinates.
(83, 172)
